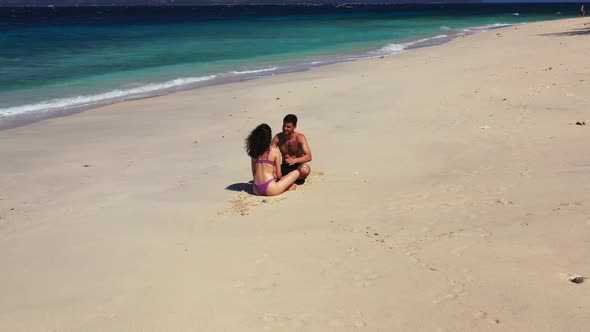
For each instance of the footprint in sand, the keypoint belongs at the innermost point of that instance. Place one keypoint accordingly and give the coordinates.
(366, 279)
(262, 259)
(273, 321)
(479, 314)
(458, 251)
(503, 201)
(525, 174)
(444, 298)
(360, 323)
(408, 202)
(359, 320)
(412, 258)
(264, 286)
(352, 251)
(371, 233)
(456, 289)
(313, 177)
(567, 206)
(485, 233)
(451, 234)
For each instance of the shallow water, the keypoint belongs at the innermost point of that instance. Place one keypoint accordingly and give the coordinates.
(55, 59)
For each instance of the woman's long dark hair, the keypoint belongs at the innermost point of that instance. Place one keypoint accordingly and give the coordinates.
(258, 141)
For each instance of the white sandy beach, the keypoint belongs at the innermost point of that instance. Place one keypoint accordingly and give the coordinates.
(450, 191)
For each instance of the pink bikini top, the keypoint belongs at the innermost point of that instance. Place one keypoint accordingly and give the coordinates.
(265, 161)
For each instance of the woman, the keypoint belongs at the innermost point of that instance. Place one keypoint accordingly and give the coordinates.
(266, 164)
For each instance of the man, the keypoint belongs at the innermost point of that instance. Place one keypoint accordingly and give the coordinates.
(294, 149)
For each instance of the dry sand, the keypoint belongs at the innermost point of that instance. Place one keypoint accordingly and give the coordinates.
(450, 191)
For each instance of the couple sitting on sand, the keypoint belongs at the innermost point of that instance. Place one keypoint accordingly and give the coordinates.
(271, 176)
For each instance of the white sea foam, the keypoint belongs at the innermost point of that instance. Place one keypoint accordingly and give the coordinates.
(484, 28)
(82, 101)
(425, 40)
(445, 28)
(254, 71)
(392, 48)
(398, 48)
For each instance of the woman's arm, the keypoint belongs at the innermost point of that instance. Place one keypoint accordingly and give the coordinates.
(252, 164)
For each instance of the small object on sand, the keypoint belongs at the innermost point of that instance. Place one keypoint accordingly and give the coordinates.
(195, 142)
(583, 123)
(576, 278)
(264, 201)
(381, 57)
(87, 165)
(504, 202)
(484, 127)
(504, 99)
(278, 98)
(356, 173)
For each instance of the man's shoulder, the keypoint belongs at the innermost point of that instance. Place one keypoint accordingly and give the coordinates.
(299, 136)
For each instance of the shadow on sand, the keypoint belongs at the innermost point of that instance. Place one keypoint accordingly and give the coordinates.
(575, 32)
(241, 187)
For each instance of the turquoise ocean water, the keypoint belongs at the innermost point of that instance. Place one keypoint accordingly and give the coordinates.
(56, 59)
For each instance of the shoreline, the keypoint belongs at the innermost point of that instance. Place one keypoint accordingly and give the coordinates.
(448, 182)
(25, 117)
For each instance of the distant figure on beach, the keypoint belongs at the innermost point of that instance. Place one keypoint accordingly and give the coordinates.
(294, 148)
(265, 162)
(582, 11)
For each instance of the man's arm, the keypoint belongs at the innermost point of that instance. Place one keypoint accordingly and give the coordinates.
(304, 148)
(275, 141)
(278, 171)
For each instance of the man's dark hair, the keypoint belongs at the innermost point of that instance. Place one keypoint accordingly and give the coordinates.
(290, 118)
